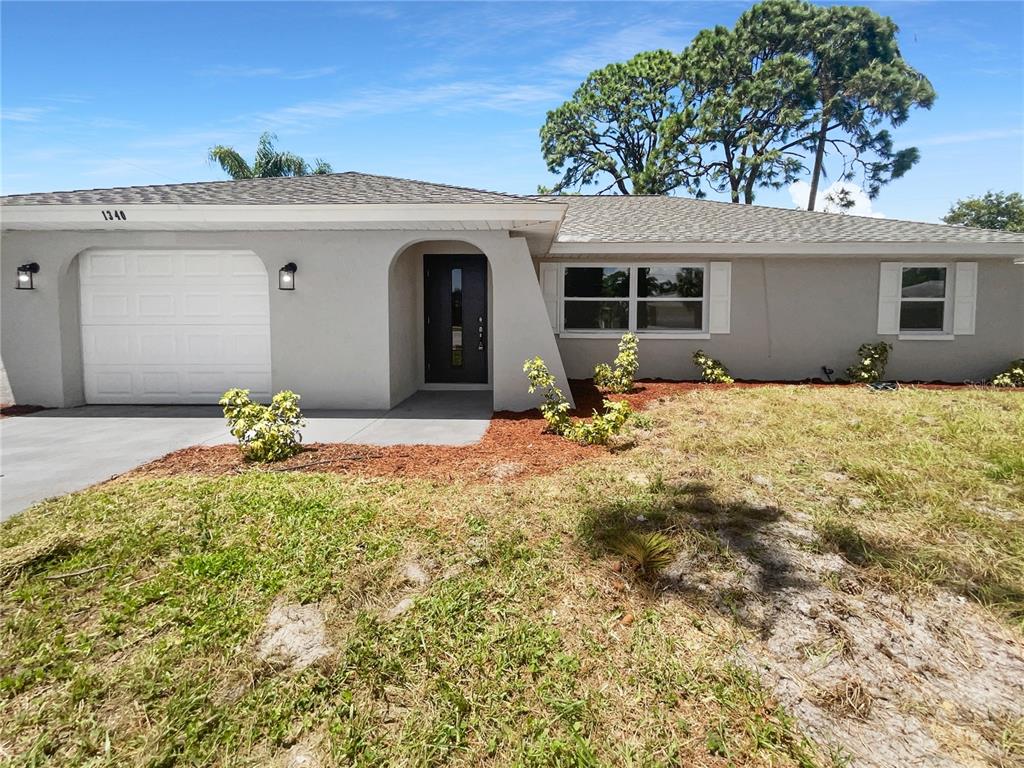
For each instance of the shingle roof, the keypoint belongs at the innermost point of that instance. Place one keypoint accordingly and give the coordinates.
(331, 189)
(644, 219)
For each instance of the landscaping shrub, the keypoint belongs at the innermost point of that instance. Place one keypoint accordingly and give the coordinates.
(1013, 376)
(620, 379)
(711, 371)
(555, 409)
(264, 432)
(871, 367)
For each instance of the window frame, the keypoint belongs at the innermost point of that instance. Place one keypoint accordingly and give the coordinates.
(946, 332)
(633, 300)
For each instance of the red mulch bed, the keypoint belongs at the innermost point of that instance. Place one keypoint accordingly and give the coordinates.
(515, 445)
(7, 410)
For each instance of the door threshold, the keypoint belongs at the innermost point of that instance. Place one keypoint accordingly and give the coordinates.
(440, 387)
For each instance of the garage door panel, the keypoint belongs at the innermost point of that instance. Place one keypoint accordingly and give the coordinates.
(154, 383)
(247, 265)
(174, 326)
(158, 346)
(154, 265)
(107, 307)
(109, 345)
(95, 266)
(203, 265)
(153, 306)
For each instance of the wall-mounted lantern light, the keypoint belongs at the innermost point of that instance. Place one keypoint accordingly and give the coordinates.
(286, 276)
(25, 272)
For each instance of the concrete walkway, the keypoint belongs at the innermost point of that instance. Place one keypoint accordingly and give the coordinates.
(54, 452)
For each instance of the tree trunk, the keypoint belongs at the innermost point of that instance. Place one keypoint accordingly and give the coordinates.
(734, 184)
(748, 189)
(819, 156)
(621, 184)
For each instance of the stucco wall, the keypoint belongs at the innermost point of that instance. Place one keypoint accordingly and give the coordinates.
(791, 316)
(331, 339)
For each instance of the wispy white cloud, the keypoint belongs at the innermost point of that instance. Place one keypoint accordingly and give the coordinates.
(24, 114)
(800, 192)
(442, 98)
(969, 137)
(624, 44)
(233, 71)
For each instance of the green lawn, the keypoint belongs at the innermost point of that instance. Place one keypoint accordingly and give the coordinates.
(527, 647)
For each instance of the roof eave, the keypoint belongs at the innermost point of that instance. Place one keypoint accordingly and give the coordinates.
(794, 249)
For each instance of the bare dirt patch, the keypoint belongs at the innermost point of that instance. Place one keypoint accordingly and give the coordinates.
(294, 636)
(885, 679)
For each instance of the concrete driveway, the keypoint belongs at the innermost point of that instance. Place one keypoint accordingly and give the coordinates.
(58, 451)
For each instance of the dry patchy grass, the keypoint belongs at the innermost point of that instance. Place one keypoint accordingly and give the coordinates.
(531, 645)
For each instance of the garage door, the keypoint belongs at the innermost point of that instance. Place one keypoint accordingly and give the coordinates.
(173, 326)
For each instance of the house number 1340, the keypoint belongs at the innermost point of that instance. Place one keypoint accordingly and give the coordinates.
(114, 216)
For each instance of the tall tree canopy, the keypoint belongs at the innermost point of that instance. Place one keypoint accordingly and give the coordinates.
(269, 162)
(993, 210)
(615, 130)
(862, 82)
(752, 91)
(758, 105)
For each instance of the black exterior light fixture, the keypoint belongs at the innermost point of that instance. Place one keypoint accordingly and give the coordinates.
(25, 273)
(286, 276)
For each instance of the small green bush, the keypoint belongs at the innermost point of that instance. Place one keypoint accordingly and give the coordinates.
(620, 379)
(555, 409)
(264, 432)
(711, 371)
(871, 366)
(1013, 376)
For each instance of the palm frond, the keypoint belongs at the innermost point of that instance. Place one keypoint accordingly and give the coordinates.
(321, 167)
(231, 162)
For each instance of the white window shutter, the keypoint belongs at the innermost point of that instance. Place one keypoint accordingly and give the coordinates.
(549, 288)
(889, 287)
(965, 297)
(720, 300)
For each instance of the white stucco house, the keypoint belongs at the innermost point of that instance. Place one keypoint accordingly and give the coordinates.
(357, 290)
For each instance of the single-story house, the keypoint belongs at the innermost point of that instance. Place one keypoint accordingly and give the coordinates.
(358, 290)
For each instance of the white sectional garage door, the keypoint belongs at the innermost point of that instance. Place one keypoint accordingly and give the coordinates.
(173, 326)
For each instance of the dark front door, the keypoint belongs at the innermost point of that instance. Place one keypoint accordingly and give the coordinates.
(455, 303)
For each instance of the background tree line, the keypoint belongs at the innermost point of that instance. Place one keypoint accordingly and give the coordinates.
(791, 88)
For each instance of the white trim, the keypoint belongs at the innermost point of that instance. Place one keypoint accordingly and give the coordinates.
(822, 249)
(148, 217)
(965, 297)
(720, 299)
(925, 336)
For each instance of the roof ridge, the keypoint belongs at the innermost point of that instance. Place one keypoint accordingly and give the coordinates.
(226, 182)
(440, 184)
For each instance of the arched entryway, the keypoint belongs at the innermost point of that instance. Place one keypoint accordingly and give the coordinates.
(439, 295)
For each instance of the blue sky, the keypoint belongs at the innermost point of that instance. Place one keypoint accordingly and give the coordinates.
(105, 94)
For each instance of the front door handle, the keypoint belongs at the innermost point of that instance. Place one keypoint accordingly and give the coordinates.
(481, 335)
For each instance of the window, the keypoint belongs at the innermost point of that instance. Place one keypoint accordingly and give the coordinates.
(924, 296)
(597, 298)
(657, 298)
